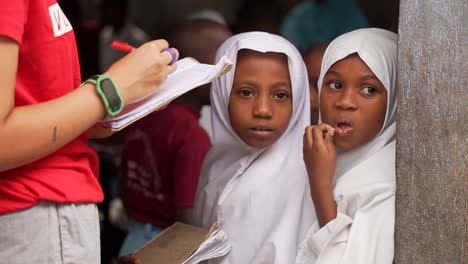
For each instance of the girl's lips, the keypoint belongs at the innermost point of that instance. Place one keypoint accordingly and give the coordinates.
(343, 128)
(261, 128)
(261, 132)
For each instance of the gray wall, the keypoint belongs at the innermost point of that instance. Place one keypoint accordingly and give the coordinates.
(432, 152)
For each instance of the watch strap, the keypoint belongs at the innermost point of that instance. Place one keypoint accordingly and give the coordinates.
(93, 79)
(112, 108)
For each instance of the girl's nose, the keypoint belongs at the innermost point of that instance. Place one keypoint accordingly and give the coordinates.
(262, 107)
(347, 100)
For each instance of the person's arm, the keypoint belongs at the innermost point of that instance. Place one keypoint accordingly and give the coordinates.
(320, 161)
(357, 228)
(31, 132)
(363, 230)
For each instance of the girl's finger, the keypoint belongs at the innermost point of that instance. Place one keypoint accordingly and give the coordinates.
(308, 139)
(329, 137)
(325, 127)
(317, 135)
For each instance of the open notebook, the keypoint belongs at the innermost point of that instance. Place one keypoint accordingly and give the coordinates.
(188, 75)
(184, 244)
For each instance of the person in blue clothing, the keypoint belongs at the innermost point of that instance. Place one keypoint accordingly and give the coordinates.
(315, 21)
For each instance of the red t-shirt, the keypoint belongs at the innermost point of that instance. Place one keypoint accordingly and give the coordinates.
(48, 68)
(163, 155)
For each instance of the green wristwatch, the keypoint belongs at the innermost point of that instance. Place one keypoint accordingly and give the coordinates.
(109, 94)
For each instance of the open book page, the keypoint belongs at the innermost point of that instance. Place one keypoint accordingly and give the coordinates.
(184, 244)
(188, 75)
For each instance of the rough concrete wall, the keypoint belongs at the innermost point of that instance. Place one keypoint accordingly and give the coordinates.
(432, 151)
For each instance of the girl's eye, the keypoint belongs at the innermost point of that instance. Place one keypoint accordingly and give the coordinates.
(281, 95)
(335, 85)
(368, 90)
(246, 93)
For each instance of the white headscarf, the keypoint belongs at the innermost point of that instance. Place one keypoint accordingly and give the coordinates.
(260, 197)
(378, 49)
(364, 183)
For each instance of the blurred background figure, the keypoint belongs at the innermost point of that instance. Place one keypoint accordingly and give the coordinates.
(313, 61)
(164, 152)
(117, 25)
(208, 14)
(259, 15)
(209, 57)
(314, 21)
(87, 32)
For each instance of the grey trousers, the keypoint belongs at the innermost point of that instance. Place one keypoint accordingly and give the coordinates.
(51, 233)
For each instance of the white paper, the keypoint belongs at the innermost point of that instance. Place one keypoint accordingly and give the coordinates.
(216, 245)
(188, 75)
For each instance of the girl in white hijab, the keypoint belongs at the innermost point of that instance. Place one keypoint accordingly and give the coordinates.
(354, 191)
(254, 182)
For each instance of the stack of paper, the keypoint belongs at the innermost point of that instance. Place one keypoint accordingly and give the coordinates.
(189, 75)
(215, 246)
(184, 244)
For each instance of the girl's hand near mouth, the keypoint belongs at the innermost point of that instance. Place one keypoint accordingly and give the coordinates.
(320, 159)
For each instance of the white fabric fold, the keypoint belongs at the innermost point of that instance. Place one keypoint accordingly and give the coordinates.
(260, 197)
(364, 183)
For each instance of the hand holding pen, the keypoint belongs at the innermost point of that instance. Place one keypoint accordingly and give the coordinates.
(143, 70)
(125, 47)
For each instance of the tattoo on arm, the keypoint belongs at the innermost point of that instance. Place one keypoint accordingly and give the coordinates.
(55, 134)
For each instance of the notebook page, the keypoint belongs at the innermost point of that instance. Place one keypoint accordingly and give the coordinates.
(189, 75)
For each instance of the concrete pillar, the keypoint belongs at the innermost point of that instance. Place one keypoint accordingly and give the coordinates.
(432, 145)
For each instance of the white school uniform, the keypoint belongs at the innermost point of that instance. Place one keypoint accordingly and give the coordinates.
(364, 183)
(260, 197)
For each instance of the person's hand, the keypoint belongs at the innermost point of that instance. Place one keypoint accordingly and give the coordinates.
(142, 71)
(320, 161)
(320, 156)
(128, 260)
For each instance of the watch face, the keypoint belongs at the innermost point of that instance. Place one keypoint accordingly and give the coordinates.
(107, 87)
